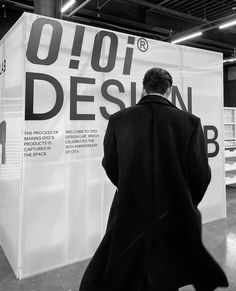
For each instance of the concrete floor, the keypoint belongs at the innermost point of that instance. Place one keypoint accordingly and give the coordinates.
(219, 237)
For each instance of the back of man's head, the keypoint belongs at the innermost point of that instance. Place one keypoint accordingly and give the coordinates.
(157, 80)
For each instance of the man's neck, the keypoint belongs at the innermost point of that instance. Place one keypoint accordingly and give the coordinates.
(153, 93)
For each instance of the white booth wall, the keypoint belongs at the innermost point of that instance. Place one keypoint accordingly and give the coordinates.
(54, 194)
(12, 80)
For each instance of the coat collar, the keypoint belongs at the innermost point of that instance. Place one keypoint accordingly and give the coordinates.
(155, 99)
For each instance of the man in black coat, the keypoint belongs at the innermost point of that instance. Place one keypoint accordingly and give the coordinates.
(155, 154)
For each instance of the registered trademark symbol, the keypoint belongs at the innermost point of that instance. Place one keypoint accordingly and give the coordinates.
(142, 44)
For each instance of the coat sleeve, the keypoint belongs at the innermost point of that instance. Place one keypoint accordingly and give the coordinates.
(110, 159)
(199, 170)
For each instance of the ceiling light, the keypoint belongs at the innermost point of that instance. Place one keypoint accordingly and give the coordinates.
(229, 60)
(67, 5)
(233, 22)
(187, 37)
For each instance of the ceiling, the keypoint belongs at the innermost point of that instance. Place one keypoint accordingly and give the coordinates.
(159, 19)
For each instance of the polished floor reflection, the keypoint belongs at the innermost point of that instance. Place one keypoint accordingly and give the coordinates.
(219, 237)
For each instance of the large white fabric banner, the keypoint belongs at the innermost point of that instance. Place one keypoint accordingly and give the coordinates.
(12, 51)
(74, 77)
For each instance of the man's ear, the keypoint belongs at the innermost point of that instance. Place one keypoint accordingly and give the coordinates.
(168, 91)
(144, 93)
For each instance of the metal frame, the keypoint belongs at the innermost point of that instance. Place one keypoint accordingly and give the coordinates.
(106, 25)
(101, 17)
(167, 11)
(205, 27)
(79, 7)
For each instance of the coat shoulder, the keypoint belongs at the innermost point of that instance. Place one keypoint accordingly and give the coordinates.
(172, 111)
(127, 112)
(185, 115)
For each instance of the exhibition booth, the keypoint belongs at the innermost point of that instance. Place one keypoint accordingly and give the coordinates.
(59, 83)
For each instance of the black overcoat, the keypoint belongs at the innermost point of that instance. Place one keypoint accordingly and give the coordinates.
(156, 155)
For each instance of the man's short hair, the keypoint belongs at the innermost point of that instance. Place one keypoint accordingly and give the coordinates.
(157, 80)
